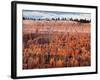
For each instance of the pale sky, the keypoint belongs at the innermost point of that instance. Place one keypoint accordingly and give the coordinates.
(54, 14)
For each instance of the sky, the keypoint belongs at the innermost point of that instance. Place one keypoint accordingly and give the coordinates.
(54, 14)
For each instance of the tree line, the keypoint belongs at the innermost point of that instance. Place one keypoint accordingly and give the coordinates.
(58, 19)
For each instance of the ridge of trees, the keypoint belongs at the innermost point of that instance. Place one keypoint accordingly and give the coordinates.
(58, 19)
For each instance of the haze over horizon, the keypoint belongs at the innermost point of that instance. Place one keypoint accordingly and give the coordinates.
(54, 14)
